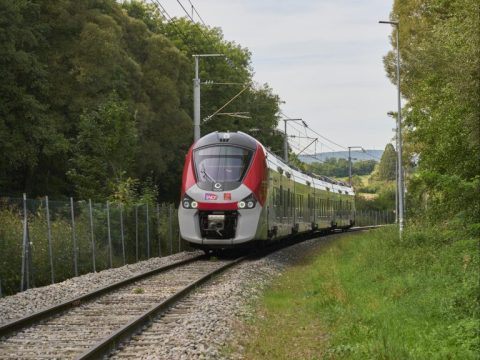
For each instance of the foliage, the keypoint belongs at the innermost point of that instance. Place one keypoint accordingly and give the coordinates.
(105, 148)
(388, 163)
(438, 197)
(440, 55)
(369, 296)
(340, 167)
(29, 137)
(70, 69)
(384, 199)
(140, 240)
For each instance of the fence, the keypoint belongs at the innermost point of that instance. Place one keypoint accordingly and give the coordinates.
(43, 242)
(374, 217)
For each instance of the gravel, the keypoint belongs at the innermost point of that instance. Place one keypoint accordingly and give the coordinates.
(27, 302)
(208, 320)
(200, 327)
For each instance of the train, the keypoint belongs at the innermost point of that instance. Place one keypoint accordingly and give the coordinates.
(236, 192)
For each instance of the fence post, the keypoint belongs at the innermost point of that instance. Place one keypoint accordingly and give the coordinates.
(92, 234)
(109, 236)
(158, 232)
(170, 235)
(136, 233)
(49, 234)
(25, 280)
(74, 238)
(148, 234)
(121, 234)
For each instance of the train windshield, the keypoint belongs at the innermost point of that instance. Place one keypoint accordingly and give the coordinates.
(222, 164)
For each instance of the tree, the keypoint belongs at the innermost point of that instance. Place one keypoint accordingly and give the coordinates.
(440, 55)
(29, 137)
(388, 163)
(104, 149)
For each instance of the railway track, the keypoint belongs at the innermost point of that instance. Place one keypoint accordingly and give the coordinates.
(100, 322)
(73, 329)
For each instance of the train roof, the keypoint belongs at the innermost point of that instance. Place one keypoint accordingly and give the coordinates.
(233, 138)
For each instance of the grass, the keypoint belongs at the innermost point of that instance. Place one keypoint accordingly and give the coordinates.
(369, 296)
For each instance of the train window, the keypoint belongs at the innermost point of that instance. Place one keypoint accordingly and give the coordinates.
(221, 163)
(289, 203)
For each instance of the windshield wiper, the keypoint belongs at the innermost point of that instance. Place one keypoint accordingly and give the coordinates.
(205, 175)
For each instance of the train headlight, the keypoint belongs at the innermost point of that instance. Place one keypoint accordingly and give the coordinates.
(248, 203)
(189, 203)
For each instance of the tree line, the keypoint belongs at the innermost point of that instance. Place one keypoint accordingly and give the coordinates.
(440, 79)
(340, 167)
(96, 97)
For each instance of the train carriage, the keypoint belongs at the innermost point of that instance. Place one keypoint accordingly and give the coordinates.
(234, 191)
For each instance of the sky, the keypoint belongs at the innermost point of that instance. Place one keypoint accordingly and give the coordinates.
(323, 58)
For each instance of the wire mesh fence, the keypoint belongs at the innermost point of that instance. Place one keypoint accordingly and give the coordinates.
(43, 241)
(374, 217)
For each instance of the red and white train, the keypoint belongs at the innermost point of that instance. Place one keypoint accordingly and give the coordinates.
(235, 191)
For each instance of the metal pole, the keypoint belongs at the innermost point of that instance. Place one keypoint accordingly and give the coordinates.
(399, 126)
(401, 189)
(196, 103)
(170, 235)
(158, 232)
(136, 233)
(148, 235)
(74, 238)
(122, 235)
(110, 257)
(24, 279)
(349, 166)
(396, 185)
(49, 234)
(285, 142)
(92, 234)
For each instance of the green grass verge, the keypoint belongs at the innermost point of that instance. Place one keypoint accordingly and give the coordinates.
(369, 296)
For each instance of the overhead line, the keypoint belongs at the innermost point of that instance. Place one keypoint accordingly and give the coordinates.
(331, 141)
(169, 19)
(315, 132)
(185, 10)
(291, 125)
(196, 12)
(308, 155)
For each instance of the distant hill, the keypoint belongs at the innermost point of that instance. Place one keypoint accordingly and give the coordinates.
(356, 156)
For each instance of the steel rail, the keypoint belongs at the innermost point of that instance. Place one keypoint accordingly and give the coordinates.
(110, 343)
(23, 322)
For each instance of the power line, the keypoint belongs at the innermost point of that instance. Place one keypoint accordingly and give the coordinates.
(196, 12)
(331, 141)
(170, 20)
(315, 132)
(294, 127)
(185, 10)
(308, 155)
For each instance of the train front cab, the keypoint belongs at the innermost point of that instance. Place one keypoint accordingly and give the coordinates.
(225, 179)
